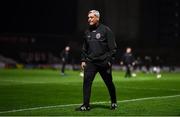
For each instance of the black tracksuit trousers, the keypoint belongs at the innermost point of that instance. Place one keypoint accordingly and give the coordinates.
(128, 71)
(89, 74)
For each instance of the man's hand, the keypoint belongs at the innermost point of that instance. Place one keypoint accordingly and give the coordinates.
(83, 64)
(121, 63)
(109, 63)
(133, 63)
(63, 59)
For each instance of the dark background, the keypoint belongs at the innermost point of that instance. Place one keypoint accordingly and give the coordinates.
(150, 27)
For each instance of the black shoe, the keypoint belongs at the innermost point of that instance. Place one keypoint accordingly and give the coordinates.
(83, 108)
(113, 106)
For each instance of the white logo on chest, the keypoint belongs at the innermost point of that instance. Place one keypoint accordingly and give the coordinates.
(98, 36)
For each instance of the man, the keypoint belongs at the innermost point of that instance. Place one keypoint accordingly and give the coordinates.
(157, 64)
(98, 50)
(65, 56)
(128, 61)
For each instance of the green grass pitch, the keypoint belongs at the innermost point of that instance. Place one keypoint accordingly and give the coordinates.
(44, 92)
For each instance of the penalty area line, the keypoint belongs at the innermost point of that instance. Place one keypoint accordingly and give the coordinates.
(104, 102)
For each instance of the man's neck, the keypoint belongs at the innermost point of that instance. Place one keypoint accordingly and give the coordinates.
(93, 27)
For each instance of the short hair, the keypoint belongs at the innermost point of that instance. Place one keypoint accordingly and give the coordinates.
(96, 13)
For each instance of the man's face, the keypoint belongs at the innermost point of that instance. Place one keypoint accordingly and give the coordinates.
(128, 50)
(67, 48)
(92, 19)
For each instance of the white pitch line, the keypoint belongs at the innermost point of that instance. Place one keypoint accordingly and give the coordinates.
(68, 105)
(151, 88)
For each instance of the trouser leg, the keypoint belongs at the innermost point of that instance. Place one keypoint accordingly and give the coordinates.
(87, 84)
(63, 67)
(128, 71)
(106, 75)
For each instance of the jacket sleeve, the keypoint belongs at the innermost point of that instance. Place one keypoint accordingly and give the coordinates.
(84, 51)
(62, 54)
(111, 44)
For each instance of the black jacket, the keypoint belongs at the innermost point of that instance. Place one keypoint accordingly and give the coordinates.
(99, 44)
(65, 56)
(128, 58)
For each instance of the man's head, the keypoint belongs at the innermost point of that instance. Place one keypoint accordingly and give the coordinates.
(93, 17)
(67, 48)
(128, 50)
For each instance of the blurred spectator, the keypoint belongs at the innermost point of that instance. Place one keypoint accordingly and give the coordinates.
(157, 66)
(138, 64)
(147, 63)
(129, 61)
(65, 57)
